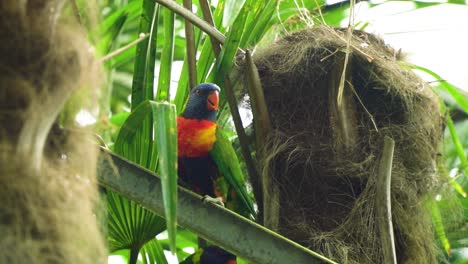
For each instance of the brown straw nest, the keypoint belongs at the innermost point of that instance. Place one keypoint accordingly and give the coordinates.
(49, 193)
(322, 156)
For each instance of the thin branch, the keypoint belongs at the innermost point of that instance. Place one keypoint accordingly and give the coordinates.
(383, 202)
(116, 52)
(262, 124)
(222, 227)
(259, 106)
(348, 51)
(320, 12)
(191, 51)
(242, 136)
(208, 16)
(342, 111)
(243, 139)
(363, 106)
(180, 10)
(368, 57)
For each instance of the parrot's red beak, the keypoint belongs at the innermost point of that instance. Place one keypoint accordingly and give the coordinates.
(212, 103)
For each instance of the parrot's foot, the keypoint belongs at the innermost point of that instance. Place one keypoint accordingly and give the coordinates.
(217, 200)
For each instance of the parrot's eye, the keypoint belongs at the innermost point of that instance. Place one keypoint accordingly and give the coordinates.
(199, 92)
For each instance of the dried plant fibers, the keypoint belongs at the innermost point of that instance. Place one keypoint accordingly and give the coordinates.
(323, 154)
(47, 177)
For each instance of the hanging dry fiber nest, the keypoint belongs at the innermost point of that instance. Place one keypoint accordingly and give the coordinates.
(322, 156)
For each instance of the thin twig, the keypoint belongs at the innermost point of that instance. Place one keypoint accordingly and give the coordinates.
(368, 57)
(330, 55)
(363, 106)
(343, 117)
(348, 51)
(320, 12)
(191, 51)
(203, 25)
(262, 126)
(208, 16)
(257, 97)
(243, 139)
(231, 99)
(383, 202)
(116, 52)
(303, 14)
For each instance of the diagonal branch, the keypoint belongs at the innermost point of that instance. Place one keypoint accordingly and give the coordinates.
(231, 99)
(182, 11)
(219, 225)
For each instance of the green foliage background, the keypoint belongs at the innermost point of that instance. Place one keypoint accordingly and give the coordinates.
(142, 45)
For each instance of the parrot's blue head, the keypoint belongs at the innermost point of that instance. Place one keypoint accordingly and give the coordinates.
(203, 102)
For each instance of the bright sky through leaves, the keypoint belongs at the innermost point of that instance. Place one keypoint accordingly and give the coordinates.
(432, 37)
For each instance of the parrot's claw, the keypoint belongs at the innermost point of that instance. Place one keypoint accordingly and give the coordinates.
(217, 200)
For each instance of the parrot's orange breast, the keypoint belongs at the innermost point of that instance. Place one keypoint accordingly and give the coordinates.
(195, 137)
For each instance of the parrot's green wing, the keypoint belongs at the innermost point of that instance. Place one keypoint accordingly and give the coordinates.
(228, 164)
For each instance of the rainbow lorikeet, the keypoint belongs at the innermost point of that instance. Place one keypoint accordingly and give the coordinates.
(211, 255)
(207, 162)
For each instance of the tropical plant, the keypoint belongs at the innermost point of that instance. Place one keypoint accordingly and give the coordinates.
(152, 59)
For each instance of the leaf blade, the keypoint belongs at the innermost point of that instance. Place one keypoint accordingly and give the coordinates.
(226, 159)
(165, 127)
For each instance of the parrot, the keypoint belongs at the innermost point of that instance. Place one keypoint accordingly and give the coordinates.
(207, 163)
(211, 255)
